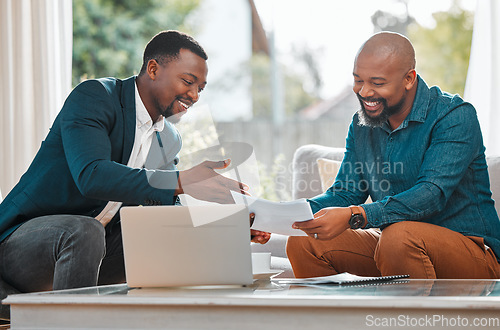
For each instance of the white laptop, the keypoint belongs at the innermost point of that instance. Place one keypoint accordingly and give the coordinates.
(162, 247)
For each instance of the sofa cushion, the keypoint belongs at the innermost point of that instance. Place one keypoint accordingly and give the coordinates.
(328, 170)
(306, 181)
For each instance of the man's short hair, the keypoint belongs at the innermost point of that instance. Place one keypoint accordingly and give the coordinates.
(166, 45)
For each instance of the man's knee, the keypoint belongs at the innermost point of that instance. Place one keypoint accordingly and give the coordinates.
(394, 242)
(86, 235)
(294, 245)
(401, 249)
(399, 235)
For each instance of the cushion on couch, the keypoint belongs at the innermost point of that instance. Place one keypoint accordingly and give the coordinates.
(327, 170)
(306, 181)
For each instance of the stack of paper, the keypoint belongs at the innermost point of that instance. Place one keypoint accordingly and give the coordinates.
(276, 217)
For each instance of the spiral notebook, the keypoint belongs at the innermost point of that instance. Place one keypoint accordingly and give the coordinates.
(342, 279)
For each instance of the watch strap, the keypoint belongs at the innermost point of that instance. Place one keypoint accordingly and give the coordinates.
(356, 214)
(356, 210)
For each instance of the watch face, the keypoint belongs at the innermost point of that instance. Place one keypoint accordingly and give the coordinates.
(356, 221)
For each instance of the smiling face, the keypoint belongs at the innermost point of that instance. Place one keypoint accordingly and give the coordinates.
(174, 86)
(379, 87)
(382, 81)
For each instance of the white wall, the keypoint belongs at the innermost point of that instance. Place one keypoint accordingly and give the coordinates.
(226, 34)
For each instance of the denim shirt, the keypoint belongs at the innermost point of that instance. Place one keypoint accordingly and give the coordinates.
(432, 168)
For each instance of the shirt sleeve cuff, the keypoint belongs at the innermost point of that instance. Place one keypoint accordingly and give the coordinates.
(374, 214)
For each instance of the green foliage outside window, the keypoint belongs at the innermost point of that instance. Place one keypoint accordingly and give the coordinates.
(109, 36)
(443, 51)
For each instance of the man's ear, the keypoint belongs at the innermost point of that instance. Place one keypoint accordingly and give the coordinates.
(410, 79)
(152, 69)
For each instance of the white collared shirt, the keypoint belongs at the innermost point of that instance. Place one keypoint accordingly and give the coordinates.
(144, 130)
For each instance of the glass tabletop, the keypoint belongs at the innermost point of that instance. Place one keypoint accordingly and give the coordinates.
(399, 288)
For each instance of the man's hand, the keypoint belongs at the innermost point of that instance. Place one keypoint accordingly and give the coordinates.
(327, 223)
(202, 182)
(258, 236)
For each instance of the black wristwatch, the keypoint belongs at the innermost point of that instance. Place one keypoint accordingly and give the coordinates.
(357, 220)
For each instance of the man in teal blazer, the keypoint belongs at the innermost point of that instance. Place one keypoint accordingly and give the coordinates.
(48, 228)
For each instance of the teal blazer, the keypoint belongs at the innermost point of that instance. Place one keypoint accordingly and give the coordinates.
(81, 165)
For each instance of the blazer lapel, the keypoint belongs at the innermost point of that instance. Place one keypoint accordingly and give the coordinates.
(161, 154)
(128, 106)
(165, 148)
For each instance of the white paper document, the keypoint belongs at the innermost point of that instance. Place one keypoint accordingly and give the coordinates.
(276, 217)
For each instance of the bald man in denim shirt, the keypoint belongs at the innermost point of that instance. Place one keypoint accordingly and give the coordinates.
(418, 153)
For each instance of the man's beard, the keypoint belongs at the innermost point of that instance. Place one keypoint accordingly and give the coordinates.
(167, 112)
(378, 121)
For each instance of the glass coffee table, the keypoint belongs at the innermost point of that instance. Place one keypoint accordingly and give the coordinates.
(267, 304)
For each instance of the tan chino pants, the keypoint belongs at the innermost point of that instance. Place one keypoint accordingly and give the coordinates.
(419, 249)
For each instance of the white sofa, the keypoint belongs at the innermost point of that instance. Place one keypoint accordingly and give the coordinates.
(307, 182)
